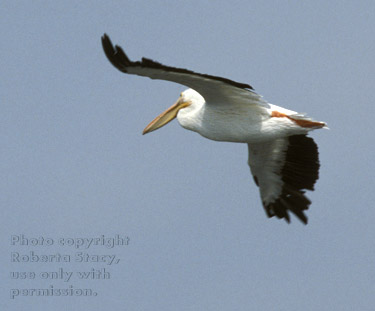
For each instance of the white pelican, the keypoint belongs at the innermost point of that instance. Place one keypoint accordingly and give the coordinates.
(282, 159)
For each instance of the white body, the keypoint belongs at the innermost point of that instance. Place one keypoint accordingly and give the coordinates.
(236, 121)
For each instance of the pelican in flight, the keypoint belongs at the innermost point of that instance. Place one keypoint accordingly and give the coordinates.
(283, 160)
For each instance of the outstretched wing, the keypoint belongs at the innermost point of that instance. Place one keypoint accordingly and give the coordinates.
(283, 169)
(210, 87)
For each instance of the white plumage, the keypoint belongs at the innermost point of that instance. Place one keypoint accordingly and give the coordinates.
(235, 121)
(283, 160)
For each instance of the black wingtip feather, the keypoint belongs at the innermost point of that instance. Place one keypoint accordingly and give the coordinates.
(301, 171)
(115, 55)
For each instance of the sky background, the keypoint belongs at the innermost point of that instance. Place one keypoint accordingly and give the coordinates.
(74, 163)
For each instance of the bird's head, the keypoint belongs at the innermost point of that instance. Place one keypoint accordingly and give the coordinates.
(186, 99)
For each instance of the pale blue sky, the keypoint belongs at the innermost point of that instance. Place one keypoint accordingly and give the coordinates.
(74, 162)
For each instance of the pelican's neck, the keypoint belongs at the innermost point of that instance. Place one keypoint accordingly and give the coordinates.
(190, 117)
